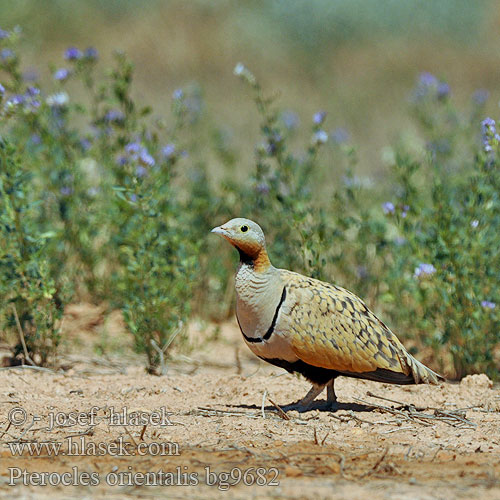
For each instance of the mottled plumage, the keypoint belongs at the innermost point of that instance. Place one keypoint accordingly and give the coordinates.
(308, 326)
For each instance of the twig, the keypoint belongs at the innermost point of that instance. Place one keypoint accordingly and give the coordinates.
(232, 413)
(454, 418)
(352, 416)
(5, 431)
(264, 396)
(324, 439)
(390, 431)
(26, 430)
(368, 393)
(141, 437)
(377, 463)
(88, 432)
(131, 437)
(31, 367)
(21, 337)
(282, 414)
(161, 350)
(392, 410)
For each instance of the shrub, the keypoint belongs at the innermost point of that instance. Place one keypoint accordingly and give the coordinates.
(31, 302)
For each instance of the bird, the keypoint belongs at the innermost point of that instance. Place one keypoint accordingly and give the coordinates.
(305, 325)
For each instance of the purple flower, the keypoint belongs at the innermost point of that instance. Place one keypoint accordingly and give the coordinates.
(33, 105)
(488, 132)
(239, 69)
(339, 135)
(2, 90)
(141, 171)
(388, 208)
(32, 91)
(320, 137)
(66, 191)
(122, 160)
(35, 139)
(4, 34)
(91, 53)
(114, 116)
(85, 144)
(178, 94)
(72, 54)
(427, 85)
(273, 142)
(244, 73)
(61, 74)
(58, 100)
(133, 148)
(319, 117)
(474, 223)
(290, 119)
(168, 150)
(488, 126)
(488, 304)
(146, 159)
(443, 90)
(405, 210)
(480, 96)
(427, 79)
(424, 269)
(6, 54)
(133, 198)
(17, 99)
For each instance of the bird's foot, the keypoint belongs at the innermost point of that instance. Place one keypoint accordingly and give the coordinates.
(302, 407)
(298, 406)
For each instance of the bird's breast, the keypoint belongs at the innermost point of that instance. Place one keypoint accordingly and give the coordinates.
(260, 299)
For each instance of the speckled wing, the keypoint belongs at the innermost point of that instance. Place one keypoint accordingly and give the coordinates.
(332, 328)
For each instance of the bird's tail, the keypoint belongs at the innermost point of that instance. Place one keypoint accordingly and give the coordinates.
(421, 374)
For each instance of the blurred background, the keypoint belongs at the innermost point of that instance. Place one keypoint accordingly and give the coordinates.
(368, 151)
(357, 60)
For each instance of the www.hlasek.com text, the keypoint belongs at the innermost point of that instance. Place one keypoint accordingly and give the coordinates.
(80, 446)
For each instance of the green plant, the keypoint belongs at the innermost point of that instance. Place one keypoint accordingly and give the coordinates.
(31, 303)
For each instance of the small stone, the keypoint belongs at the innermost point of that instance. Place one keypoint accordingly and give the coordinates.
(476, 381)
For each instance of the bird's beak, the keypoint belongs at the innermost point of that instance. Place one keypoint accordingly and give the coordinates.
(220, 230)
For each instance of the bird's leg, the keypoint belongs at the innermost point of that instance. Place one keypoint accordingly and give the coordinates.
(313, 393)
(306, 401)
(331, 397)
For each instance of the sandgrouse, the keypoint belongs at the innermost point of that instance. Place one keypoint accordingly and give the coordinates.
(305, 325)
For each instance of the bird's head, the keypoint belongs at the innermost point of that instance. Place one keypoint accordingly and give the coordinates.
(248, 238)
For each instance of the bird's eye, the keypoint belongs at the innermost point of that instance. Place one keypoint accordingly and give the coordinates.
(244, 229)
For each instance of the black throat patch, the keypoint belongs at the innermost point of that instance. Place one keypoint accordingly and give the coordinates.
(245, 258)
(273, 324)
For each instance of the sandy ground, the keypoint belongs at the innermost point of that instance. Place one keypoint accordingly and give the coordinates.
(208, 428)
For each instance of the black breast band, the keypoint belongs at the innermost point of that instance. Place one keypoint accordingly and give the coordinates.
(273, 324)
